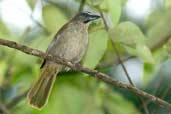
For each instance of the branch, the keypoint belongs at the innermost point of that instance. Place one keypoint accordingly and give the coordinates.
(77, 67)
(16, 100)
(117, 52)
(4, 109)
(82, 5)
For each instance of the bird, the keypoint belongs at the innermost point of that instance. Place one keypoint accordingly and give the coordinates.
(69, 43)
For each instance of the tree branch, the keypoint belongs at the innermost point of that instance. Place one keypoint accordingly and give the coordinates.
(16, 100)
(81, 5)
(4, 109)
(77, 67)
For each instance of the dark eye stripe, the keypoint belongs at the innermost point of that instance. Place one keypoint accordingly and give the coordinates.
(84, 14)
(87, 14)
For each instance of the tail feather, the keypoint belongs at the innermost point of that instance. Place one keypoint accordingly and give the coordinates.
(39, 93)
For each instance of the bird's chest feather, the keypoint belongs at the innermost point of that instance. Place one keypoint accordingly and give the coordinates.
(71, 43)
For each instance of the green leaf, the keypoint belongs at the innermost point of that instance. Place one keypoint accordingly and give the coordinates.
(4, 32)
(113, 9)
(113, 102)
(53, 18)
(45, 40)
(145, 54)
(117, 106)
(95, 2)
(127, 33)
(131, 50)
(123, 2)
(32, 3)
(167, 49)
(160, 30)
(141, 51)
(167, 3)
(133, 40)
(3, 68)
(97, 46)
(149, 71)
(154, 18)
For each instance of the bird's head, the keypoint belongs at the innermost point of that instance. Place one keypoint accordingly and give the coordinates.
(86, 17)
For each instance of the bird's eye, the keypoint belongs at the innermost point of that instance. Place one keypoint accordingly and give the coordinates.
(88, 12)
(85, 14)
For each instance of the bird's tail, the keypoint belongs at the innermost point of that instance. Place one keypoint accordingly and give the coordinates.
(39, 93)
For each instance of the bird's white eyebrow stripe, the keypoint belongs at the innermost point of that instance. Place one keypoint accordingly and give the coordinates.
(91, 13)
(88, 13)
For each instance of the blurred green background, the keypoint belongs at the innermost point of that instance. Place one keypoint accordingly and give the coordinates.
(141, 31)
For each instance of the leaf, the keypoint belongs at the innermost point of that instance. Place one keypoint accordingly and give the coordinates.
(167, 3)
(95, 2)
(133, 40)
(141, 51)
(167, 48)
(3, 68)
(149, 71)
(131, 50)
(4, 32)
(113, 9)
(145, 54)
(160, 30)
(32, 3)
(53, 18)
(123, 2)
(113, 102)
(154, 18)
(120, 102)
(127, 33)
(96, 49)
(45, 41)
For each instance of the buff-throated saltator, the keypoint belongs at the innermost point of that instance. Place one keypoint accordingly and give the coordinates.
(70, 43)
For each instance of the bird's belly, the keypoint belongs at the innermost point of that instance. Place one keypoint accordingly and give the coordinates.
(75, 51)
(72, 49)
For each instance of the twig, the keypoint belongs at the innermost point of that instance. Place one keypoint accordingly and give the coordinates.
(163, 96)
(4, 109)
(157, 86)
(77, 67)
(82, 5)
(113, 62)
(117, 52)
(35, 21)
(122, 64)
(165, 92)
(16, 100)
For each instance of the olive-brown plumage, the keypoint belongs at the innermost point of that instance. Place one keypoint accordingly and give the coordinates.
(70, 43)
